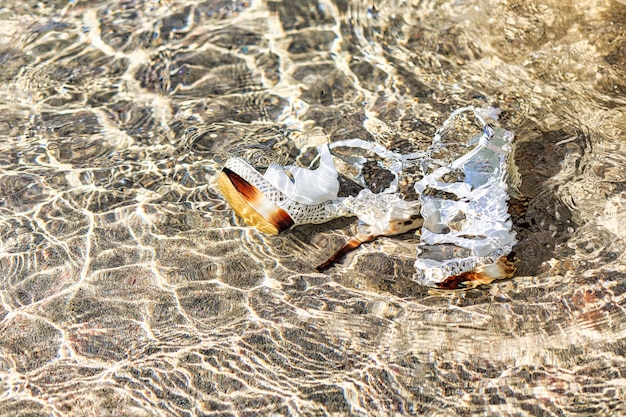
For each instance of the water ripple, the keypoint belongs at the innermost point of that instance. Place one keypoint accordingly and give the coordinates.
(128, 286)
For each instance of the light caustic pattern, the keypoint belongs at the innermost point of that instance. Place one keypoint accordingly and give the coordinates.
(128, 287)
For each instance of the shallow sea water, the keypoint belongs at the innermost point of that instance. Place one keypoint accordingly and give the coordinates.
(128, 288)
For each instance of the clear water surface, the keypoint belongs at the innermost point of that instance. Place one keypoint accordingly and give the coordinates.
(128, 288)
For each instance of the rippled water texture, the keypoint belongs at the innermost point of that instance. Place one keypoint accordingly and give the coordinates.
(128, 288)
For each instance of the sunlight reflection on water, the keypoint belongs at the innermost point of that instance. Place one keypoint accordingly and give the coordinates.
(128, 286)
